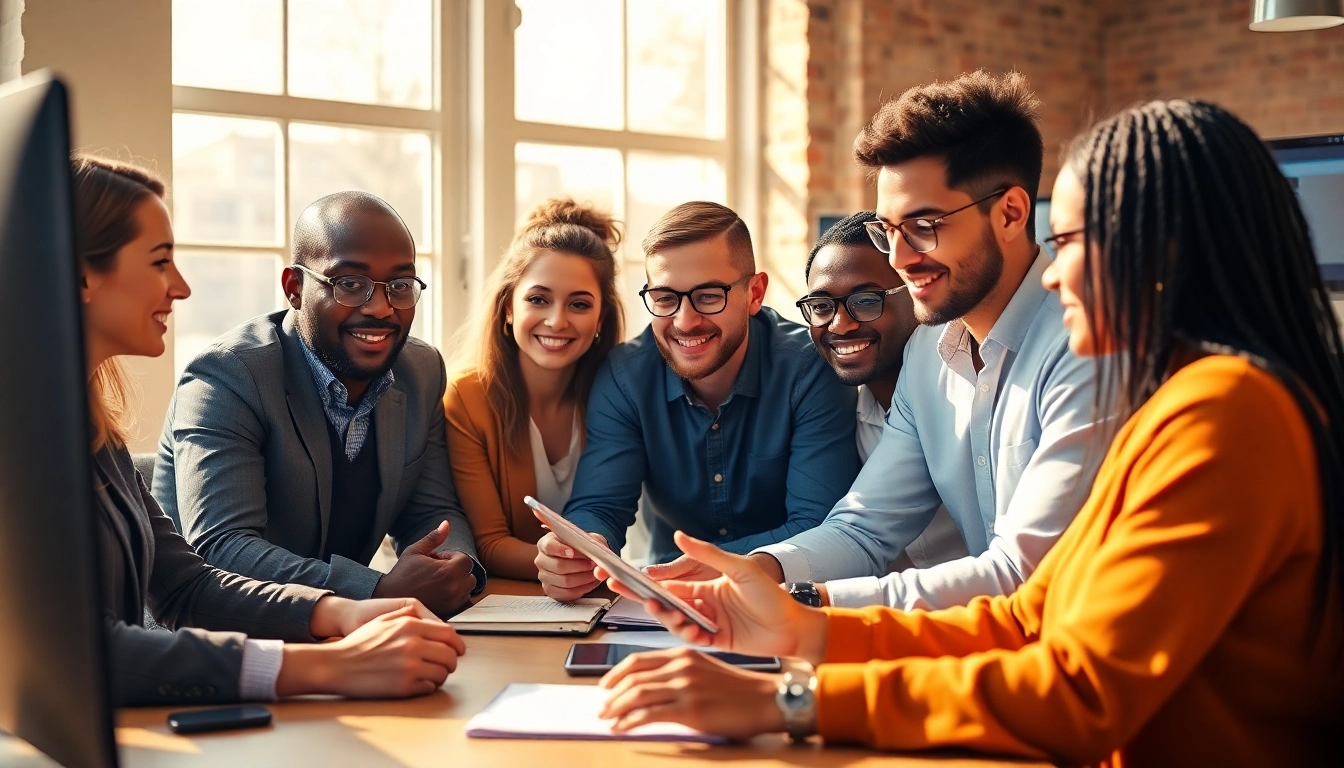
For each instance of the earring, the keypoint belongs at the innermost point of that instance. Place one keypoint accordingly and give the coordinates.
(597, 336)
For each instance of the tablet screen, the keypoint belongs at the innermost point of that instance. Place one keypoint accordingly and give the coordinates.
(626, 573)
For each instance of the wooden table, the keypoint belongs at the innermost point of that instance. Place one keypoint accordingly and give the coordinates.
(428, 731)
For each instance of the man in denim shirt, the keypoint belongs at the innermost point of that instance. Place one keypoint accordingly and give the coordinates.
(721, 413)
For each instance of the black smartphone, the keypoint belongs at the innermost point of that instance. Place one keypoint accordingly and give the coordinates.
(219, 719)
(587, 659)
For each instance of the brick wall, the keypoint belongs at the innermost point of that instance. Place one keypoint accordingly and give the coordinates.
(831, 63)
(1283, 84)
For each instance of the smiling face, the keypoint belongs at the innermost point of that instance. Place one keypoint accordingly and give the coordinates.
(859, 352)
(555, 310)
(126, 308)
(695, 345)
(1065, 274)
(358, 344)
(965, 268)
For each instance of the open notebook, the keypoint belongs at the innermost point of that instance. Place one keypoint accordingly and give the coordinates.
(534, 711)
(516, 615)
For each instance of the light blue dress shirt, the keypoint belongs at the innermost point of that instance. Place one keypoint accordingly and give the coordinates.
(1011, 452)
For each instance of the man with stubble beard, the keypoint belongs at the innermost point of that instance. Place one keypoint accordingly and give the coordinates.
(992, 417)
(720, 414)
(297, 441)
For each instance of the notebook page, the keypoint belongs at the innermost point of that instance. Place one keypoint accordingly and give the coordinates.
(497, 609)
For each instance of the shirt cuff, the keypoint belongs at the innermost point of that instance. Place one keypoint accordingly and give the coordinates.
(855, 593)
(261, 668)
(792, 560)
(478, 571)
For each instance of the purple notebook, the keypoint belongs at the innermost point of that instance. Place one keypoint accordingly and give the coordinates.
(565, 712)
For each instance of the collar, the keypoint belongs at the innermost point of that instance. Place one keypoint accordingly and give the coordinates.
(333, 392)
(1010, 330)
(870, 411)
(748, 383)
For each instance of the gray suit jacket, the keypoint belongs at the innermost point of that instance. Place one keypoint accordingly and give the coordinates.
(244, 464)
(146, 564)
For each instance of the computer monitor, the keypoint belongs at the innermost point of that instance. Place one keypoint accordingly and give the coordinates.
(53, 672)
(1314, 165)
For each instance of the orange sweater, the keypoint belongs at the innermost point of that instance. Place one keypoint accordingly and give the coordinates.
(1171, 624)
(490, 481)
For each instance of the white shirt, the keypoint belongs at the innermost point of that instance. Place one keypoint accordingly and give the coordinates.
(941, 542)
(555, 481)
(1009, 450)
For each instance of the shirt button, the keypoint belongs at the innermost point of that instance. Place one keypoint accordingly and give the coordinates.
(715, 425)
(984, 387)
(723, 531)
(718, 478)
(980, 460)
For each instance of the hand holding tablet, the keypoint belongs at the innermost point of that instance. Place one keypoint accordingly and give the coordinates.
(646, 588)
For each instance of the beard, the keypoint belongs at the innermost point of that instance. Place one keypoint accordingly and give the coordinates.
(967, 288)
(332, 353)
(694, 371)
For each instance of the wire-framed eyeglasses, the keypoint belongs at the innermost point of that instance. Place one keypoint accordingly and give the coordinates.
(863, 306)
(356, 290)
(920, 234)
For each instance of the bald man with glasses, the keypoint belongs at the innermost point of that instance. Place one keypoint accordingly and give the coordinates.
(298, 440)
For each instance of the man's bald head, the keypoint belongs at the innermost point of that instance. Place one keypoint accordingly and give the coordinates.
(346, 222)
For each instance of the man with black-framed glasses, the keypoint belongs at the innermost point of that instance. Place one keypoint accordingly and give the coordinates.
(719, 419)
(297, 441)
(992, 417)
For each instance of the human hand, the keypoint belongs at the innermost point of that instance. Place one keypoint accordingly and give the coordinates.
(680, 685)
(681, 569)
(565, 574)
(753, 614)
(395, 654)
(443, 581)
(338, 616)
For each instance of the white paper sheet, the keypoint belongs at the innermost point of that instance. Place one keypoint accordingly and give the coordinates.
(511, 608)
(535, 711)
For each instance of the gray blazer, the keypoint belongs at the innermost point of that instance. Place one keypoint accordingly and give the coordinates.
(244, 465)
(146, 564)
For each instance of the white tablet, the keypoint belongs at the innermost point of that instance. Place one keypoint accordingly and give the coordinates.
(626, 573)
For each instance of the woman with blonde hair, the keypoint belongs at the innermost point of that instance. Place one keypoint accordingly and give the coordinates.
(394, 647)
(515, 411)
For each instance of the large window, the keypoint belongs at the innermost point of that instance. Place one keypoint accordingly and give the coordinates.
(276, 104)
(622, 103)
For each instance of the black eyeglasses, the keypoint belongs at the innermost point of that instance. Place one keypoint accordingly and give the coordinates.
(356, 290)
(1051, 243)
(920, 234)
(705, 299)
(863, 306)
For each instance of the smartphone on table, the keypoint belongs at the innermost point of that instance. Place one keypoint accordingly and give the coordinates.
(219, 719)
(597, 658)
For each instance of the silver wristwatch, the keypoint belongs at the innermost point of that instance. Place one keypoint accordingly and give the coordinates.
(797, 699)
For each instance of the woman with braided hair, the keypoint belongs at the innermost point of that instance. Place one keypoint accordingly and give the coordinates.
(1192, 612)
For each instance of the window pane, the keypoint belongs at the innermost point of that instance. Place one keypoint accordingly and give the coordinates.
(365, 51)
(586, 174)
(227, 290)
(393, 165)
(567, 63)
(226, 186)
(657, 183)
(423, 327)
(677, 66)
(234, 46)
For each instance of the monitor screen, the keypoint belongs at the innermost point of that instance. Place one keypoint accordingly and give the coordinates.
(1314, 165)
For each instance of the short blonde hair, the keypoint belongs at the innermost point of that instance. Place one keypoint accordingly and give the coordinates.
(697, 222)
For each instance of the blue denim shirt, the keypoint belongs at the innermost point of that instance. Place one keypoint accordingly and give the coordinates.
(779, 455)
